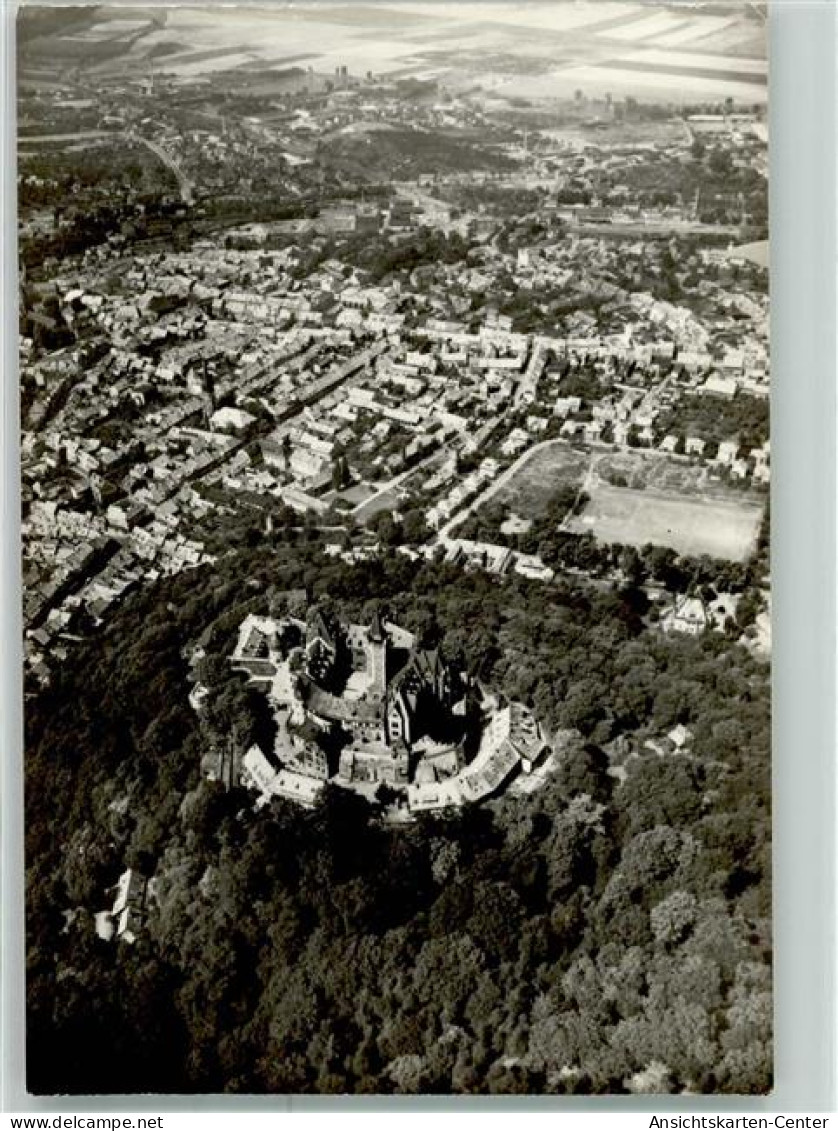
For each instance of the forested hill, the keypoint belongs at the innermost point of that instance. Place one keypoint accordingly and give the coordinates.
(607, 933)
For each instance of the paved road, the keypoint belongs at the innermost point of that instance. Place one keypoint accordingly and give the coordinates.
(393, 484)
(444, 533)
(532, 373)
(187, 189)
(80, 135)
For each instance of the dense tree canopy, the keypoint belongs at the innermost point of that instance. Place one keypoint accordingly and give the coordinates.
(606, 932)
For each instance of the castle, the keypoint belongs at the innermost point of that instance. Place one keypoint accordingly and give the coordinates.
(389, 679)
(364, 705)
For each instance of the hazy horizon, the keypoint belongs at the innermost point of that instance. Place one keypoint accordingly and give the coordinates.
(535, 50)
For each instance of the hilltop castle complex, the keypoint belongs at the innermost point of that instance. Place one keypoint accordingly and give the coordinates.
(364, 705)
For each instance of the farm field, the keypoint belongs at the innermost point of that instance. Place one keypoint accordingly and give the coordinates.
(556, 48)
(720, 528)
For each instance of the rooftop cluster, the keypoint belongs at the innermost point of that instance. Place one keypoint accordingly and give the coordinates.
(365, 706)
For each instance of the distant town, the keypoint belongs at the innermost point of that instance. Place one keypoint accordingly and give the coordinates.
(387, 315)
(395, 474)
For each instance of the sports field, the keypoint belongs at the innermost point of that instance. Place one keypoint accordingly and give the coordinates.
(720, 528)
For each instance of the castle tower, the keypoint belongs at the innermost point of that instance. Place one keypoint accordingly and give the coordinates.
(377, 656)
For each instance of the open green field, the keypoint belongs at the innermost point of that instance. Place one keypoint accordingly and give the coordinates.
(722, 528)
(532, 486)
(385, 501)
(642, 469)
(357, 493)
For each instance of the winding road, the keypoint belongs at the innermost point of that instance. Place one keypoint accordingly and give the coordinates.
(444, 533)
(187, 188)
